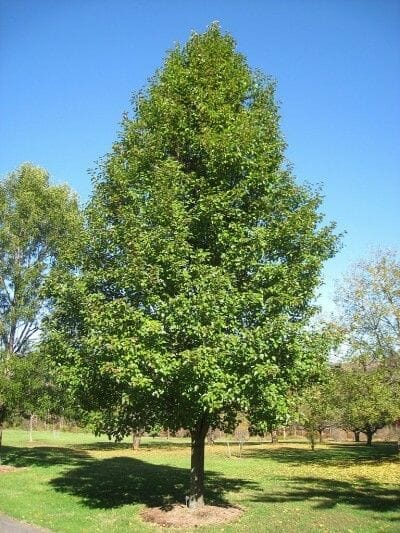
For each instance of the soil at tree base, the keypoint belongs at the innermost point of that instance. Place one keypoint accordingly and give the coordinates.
(179, 516)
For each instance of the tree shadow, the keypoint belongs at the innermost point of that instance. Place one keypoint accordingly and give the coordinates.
(339, 455)
(42, 456)
(149, 445)
(328, 493)
(118, 481)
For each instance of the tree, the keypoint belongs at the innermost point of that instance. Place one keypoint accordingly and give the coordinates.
(36, 220)
(366, 399)
(25, 387)
(191, 298)
(317, 408)
(312, 404)
(369, 303)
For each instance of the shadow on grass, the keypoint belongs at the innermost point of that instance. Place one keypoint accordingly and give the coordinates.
(340, 455)
(149, 445)
(119, 481)
(328, 493)
(42, 456)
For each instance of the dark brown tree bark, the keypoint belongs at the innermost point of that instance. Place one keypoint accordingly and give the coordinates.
(2, 418)
(198, 435)
(369, 434)
(356, 436)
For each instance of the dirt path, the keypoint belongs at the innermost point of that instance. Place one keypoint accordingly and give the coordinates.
(9, 525)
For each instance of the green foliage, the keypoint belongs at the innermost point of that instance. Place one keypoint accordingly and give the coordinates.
(155, 431)
(191, 298)
(369, 301)
(368, 386)
(366, 399)
(25, 386)
(36, 220)
(317, 409)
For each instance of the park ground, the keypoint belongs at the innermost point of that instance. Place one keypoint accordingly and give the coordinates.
(74, 482)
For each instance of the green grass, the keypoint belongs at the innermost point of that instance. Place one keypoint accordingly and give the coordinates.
(74, 482)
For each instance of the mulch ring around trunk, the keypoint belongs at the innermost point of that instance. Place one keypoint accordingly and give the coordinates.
(180, 516)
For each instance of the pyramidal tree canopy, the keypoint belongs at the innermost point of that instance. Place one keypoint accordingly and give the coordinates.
(190, 298)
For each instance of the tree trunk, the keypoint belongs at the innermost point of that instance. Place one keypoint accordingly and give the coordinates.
(31, 427)
(320, 435)
(210, 437)
(274, 436)
(136, 436)
(3, 412)
(356, 436)
(11, 336)
(196, 496)
(240, 448)
(2, 419)
(229, 449)
(369, 434)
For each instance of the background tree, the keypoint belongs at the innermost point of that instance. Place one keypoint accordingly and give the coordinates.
(37, 219)
(312, 405)
(190, 300)
(25, 386)
(269, 420)
(317, 409)
(366, 399)
(369, 304)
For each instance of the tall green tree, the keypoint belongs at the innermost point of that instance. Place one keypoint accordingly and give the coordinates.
(37, 220)
(191, 299)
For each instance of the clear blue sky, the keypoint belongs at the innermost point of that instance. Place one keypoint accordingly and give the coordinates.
(68, 69)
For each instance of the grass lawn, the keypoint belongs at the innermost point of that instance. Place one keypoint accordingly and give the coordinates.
(74, 482)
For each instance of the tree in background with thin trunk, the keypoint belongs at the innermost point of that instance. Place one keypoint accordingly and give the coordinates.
(36, 221)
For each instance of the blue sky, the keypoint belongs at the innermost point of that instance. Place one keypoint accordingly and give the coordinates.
(68, 69)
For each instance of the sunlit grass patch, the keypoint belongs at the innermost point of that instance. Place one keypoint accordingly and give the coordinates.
(76, 482)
